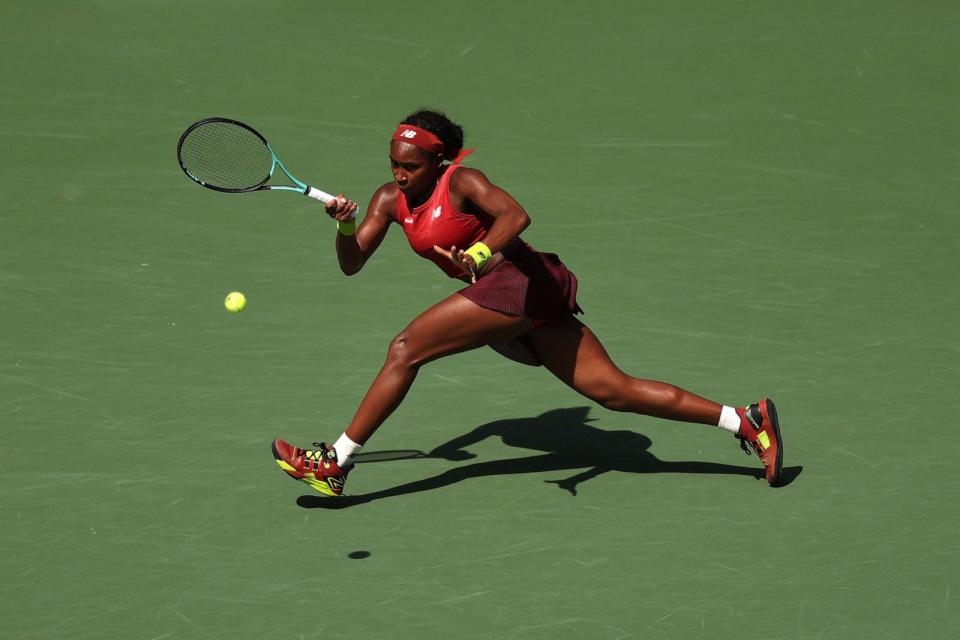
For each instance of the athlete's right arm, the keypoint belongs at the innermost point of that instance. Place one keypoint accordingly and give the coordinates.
(353, 251)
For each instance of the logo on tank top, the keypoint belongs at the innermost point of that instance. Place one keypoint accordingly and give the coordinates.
(408, 133)
(408, 220)
(436, 212)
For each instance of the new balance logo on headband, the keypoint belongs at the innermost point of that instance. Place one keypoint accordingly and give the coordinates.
(418, 137)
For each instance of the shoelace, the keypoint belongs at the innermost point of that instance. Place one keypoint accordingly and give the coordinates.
(746, 450)
(315, 454)
(319, 454)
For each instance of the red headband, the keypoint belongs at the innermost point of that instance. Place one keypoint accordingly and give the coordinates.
(425, 140)
(419, 138)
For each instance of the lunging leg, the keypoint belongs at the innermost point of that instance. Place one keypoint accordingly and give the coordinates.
(571, 351)
(451, 326)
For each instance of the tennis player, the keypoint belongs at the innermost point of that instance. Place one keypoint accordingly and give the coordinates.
(517, 300)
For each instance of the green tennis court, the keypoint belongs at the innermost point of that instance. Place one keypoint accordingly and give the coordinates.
(758, 198)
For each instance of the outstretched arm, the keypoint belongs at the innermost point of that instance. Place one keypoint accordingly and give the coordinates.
(353, 250)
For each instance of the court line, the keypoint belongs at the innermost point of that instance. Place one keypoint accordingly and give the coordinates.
(40, 386)
(46, 134)
(59, 356)
(640, 143)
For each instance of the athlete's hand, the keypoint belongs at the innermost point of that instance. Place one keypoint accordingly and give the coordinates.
(341, 209)
(461, 259)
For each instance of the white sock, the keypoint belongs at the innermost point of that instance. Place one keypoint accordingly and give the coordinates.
(346, 449)
(729, 420)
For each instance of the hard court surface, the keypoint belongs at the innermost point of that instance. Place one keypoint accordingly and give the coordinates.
(759, 198)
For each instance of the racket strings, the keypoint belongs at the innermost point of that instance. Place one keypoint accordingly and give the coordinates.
(225, 155)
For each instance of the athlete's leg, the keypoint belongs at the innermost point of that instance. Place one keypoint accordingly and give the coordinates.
(451, 326)
(573, 353)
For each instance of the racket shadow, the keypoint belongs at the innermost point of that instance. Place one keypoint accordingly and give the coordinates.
(389, 455)
(409, 454)
(568, 443)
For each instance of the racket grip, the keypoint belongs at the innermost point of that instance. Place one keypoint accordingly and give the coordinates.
(323, 197)
(317, 194)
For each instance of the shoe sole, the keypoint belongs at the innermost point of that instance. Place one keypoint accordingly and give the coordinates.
(775, 421)
(318, 485)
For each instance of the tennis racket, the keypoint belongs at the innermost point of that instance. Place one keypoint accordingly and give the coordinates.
(233, 157)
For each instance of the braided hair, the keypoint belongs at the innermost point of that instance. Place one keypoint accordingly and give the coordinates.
(437, 123)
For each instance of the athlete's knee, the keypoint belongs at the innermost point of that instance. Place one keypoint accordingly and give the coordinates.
(403, 352)
(640, 396)
(609, 392)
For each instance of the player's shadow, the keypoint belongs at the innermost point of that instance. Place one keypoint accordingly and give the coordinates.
(569, 443)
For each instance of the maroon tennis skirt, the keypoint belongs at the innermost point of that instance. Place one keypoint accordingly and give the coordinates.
(527, 283)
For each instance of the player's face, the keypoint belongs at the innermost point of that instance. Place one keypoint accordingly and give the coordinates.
(414, 170)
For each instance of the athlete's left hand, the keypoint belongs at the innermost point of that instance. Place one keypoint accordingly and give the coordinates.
(461, 259)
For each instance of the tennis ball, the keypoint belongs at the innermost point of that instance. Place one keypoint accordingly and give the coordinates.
(235, 302)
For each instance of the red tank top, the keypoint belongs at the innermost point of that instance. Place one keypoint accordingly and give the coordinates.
(436, 222)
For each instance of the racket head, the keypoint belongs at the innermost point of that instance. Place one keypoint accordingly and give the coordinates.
(225, 155)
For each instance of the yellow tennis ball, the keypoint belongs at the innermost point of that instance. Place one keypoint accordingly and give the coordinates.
(235, 302)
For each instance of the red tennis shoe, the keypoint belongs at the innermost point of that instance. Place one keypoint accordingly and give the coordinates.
(760, 428)
(317, 467)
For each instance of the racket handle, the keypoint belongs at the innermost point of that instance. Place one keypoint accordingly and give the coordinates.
(323, 197)
(317, 194)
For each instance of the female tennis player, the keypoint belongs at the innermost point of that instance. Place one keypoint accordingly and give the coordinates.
(518, 300)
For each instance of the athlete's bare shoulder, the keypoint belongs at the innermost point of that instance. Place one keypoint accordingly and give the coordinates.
(384, 200)
(466, 178)
(467, 185)
(472, 192)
